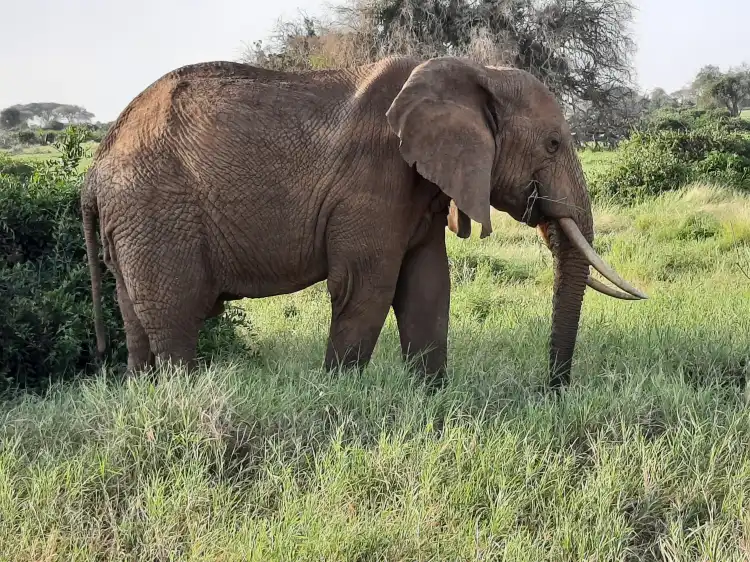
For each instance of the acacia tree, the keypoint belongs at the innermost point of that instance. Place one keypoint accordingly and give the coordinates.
(73, 114)
(659, 98)
(732, 90)
(592, 122)
(45, 113)
(580, 48)
(712, 88)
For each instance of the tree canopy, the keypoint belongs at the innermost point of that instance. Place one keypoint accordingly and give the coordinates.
(712, 88)
(44, 113)
(580, 48)
(10, 117)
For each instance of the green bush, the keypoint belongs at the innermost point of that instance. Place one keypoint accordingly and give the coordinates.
(46, 325)
(96, 131)
(691, 118)
(56, 125)
(655, 160)
(15, 168)
(28, 137)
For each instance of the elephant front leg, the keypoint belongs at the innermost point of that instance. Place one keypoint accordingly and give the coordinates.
(361, 294)
(422, 304)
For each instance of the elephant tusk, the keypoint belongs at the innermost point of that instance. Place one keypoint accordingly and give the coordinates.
(570, 228)
(609, 291)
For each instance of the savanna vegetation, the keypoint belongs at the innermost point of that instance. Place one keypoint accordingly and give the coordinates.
(263, 456)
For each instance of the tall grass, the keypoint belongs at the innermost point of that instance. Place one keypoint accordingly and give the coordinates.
(645, 457)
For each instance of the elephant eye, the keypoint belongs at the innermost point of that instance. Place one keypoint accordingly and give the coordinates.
(553, 144)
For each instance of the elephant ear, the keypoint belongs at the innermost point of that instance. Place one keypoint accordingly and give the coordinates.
(441, 118)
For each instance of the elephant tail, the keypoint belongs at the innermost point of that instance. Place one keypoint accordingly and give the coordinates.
(90, 213)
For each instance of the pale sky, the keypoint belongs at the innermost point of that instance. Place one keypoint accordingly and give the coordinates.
(101, 54)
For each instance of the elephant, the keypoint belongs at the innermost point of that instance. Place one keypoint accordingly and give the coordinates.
(223, 181)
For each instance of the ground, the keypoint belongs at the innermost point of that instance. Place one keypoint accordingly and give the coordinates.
(263, 457)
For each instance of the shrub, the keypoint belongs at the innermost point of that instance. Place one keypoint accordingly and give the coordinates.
(8, 139)
(16, 168)
(642, 168)
(27, 137)
(656, 160)
(96, 131)
(691, 118)
(56, 125)
(46, 328)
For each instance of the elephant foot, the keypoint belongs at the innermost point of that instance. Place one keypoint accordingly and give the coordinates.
(351, 363)
(143, 372)
(434, 382)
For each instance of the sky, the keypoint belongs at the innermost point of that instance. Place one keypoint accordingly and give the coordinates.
(101, 53)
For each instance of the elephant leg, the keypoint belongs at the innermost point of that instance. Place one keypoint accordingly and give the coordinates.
(217, 309)
(421, 305)
(171, 297)
(176, 342)
(139, 351)
(173, 325)
(361, 294)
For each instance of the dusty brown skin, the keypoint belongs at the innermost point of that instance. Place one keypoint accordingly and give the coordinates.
(222, 181)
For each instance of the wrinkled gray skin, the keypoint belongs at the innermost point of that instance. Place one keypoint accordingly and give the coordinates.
(222, 181)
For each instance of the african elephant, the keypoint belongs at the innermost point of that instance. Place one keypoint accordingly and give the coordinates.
(222, 181)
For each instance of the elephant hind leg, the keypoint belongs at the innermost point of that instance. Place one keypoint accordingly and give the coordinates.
(171, 296)
(176, 342)
(173, 321)
(140, 356)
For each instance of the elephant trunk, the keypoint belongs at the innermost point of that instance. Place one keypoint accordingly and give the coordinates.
(570, 239)
(571, 274)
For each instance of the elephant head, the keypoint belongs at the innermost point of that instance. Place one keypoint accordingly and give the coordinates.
(497, 137)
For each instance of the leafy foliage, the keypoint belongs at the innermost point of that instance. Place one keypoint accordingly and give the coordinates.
(677, 148)
(45, 113)
(10, 117)
(14, 167)
(580, 48)
(608, 122)
(690, 118)
(96, 131)
(46, 329)
(27, 137)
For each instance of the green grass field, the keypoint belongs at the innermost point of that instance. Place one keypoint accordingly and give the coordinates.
(594, 162)
(265, 457)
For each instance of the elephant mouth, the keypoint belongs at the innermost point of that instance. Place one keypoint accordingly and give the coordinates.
(532, 215)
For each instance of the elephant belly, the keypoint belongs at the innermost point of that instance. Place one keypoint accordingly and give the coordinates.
(277, 273)
(261, 288)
